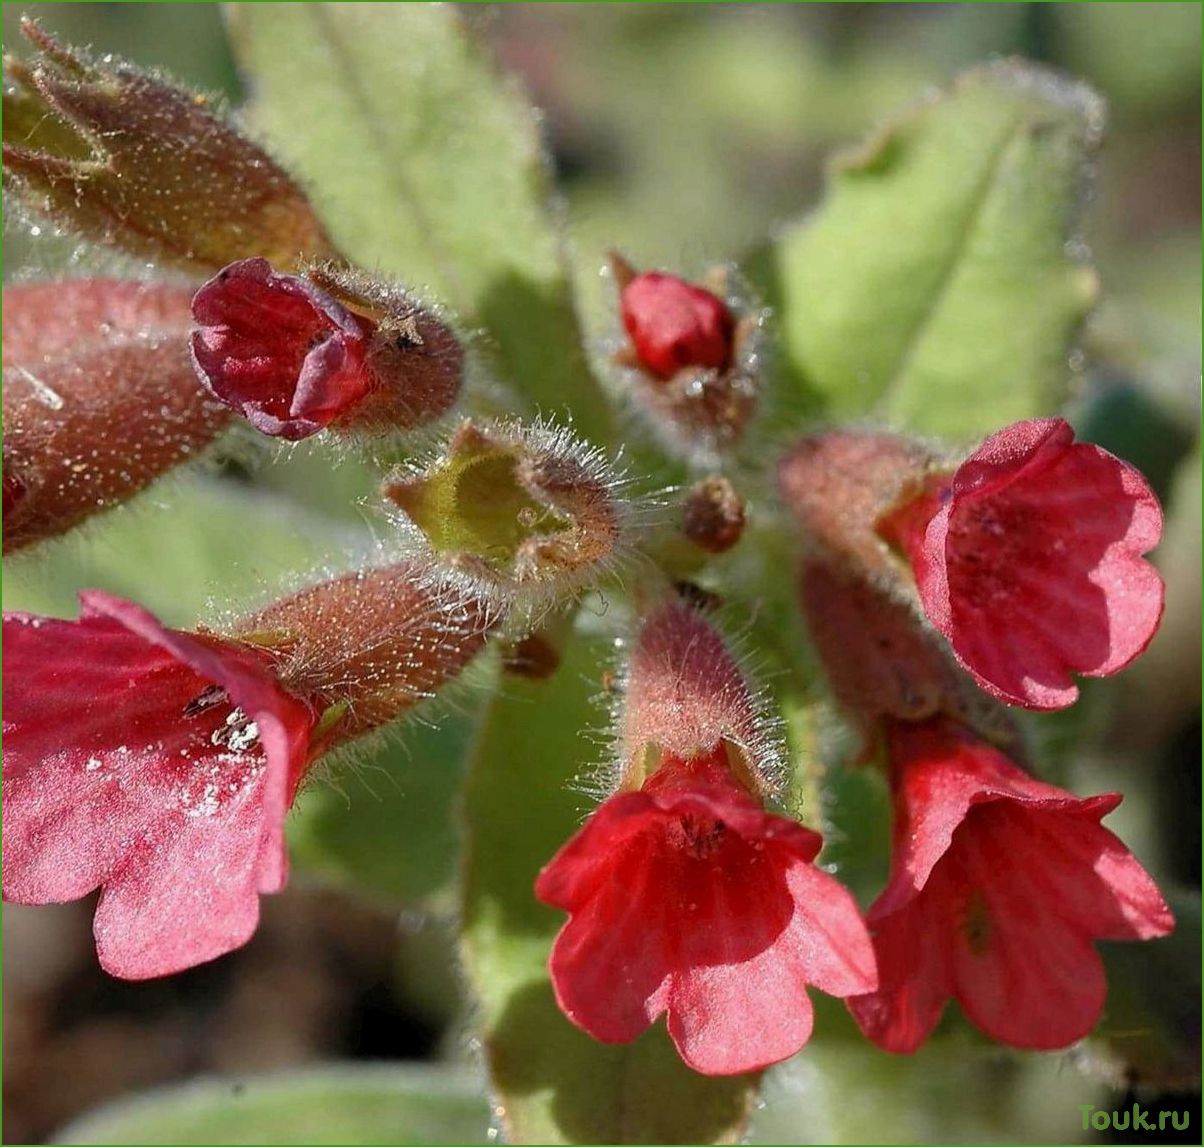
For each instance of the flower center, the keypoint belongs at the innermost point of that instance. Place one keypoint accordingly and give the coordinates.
(989, 542)
(700, 835)
(976, 923)
(237, 732)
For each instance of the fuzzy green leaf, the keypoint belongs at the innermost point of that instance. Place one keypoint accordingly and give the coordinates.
(1150, 1032)
(937, 286)
(955, 1089)
(428, 166)
(554, 1084)
(385, 827)
(185, 550)
(376, 1104)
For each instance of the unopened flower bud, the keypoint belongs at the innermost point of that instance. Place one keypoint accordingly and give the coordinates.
(685, 695)
(713, 515)
(125, 158)
(675, 325)
(373, 643)
(99, 399)
(294, 359)
(692, 356)
(530, 511)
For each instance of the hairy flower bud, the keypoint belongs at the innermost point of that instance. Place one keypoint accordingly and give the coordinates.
(839, 485)
(684, 693)
(371, 644)
(99, 399)
(882, 662)
(713, 515)
(530, 511)
(675, 325)
(694, 364)
(294, 359)
(125, 158)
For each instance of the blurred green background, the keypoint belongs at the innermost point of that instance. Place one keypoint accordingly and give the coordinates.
(683, 135)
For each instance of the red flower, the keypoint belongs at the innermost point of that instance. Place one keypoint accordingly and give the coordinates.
(688, 898)
(1031, 563)
(286, 354)
(154, 764)
(674, 324)
(999, 886)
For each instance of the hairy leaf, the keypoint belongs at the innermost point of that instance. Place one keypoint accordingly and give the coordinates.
(362, 1104)
(385, 827)
(938, 286)
(955, 1089)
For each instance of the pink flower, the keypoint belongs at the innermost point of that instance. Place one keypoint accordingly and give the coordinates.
(1031, 563)
(686, 896)
(999, 887)
(153, 764)
(674, 324)
(286, 354)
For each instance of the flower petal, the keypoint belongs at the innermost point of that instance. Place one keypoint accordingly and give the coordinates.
(914, 974)
(187, 891)
(278, 349)
(827, 936)
(731, 1018)
(611, 962)
(154, 763)
(1033, 567)
(1022, 972)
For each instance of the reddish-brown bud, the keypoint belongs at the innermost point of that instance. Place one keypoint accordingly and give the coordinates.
(99, 399)
(531, 512)
(713, 515)
(881, 660)
(840, 485)
(365, 647)
(125, 158)
(846, 490)
(535, 657)
(294, 359)
(693, 358)
(685, 696)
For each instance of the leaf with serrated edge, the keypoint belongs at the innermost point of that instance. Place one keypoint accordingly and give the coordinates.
(937, 287)
(427, 166)
(553, 1083)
